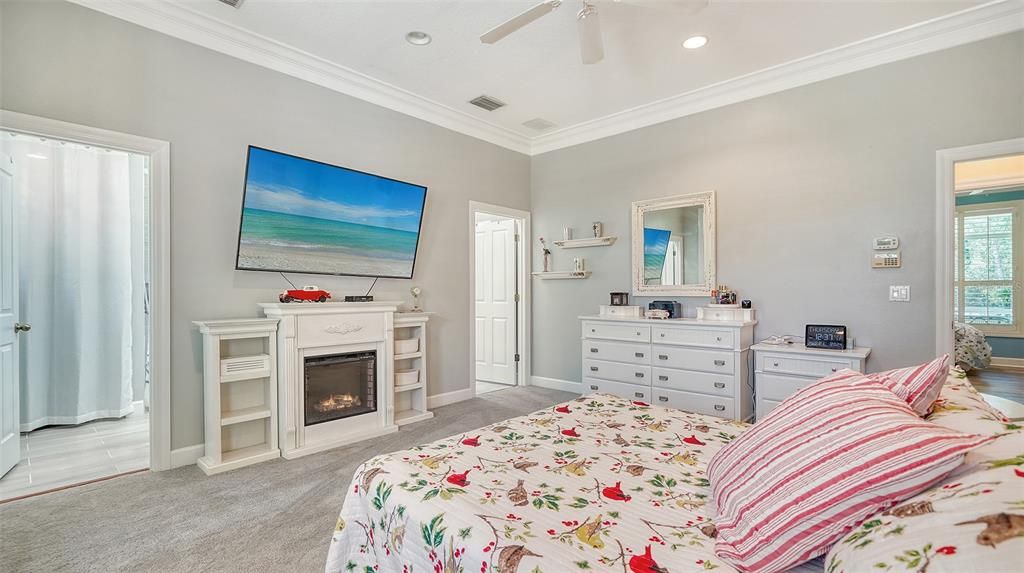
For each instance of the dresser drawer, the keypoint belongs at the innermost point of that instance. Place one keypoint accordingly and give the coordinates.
(778, 388)
(707, 337)
(617, 351)
(688, 381)
(716, 361)
(802, 365)
(629, 391)
(697, 403)
(617, 371)
(764, 407)
(613, 331)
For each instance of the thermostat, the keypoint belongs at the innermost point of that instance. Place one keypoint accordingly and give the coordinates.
(887, 243)
(885, 260)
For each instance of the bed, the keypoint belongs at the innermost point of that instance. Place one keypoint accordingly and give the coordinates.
(605, 484)
(596, 483)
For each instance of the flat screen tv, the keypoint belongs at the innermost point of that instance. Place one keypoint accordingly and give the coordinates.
(303, 216)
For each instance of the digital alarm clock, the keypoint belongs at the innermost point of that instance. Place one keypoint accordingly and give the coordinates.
(827, 336)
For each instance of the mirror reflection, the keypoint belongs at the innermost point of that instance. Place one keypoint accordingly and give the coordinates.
(673, 246)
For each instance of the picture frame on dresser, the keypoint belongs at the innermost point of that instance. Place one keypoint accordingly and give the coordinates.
(699, 366)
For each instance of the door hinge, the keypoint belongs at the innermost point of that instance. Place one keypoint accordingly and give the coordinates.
(516, 237)
(517, 357)
(517, 297)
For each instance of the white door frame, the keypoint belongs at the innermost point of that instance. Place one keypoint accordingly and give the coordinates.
(945, 207)
(523, 258)
(159, 154)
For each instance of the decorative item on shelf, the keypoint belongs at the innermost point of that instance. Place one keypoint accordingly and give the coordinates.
(407, 346)
(358, 298)
(546, 254)
(416, 292)
(598, 228)
(577, 264)
(745, 304)
(827, 336)
(673, 308)
(619, 298)
(309, 293)
(659, 314)
(723, 295)
(566, 233)
(626, 311)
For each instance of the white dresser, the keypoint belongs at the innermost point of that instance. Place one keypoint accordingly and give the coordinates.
(698, 366)
(782, 369)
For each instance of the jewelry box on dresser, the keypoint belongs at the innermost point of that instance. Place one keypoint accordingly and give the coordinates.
(782, 369)
(695, 365)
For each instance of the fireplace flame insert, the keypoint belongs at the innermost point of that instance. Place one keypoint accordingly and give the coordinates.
(339, 386)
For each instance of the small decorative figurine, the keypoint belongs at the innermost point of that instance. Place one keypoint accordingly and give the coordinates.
(577, 264)
(310, 293)
(596, 225)
(566, 233)
(416, 292)
(546, 255)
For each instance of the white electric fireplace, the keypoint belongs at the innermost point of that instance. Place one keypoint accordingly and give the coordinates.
(335, 373)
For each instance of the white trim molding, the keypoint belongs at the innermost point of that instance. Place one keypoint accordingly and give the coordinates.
(178, 20)
(1001, 362)
(945, 207)
(159, 154)
(557, 384)
(187, 456)
(438, 400)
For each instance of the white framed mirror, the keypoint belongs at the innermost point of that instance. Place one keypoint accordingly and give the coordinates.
(674, 245)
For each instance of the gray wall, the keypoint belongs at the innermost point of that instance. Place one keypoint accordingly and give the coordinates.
(805, 179)
(73, 64)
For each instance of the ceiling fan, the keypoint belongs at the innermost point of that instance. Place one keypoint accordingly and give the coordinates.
(587, 23)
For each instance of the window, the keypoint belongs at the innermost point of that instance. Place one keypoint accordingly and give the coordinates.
(986, 294)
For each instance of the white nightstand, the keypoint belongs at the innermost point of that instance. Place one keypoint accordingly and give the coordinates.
(782, 369)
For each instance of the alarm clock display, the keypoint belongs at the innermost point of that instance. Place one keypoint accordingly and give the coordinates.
(827, 336)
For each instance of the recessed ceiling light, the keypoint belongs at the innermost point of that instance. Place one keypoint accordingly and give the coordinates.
(35, 156)
(694, 42)
(418, 38)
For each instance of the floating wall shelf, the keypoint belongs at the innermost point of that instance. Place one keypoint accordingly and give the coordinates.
(590, 242)
(562, 275)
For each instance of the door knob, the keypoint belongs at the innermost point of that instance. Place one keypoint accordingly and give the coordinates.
(22, 327)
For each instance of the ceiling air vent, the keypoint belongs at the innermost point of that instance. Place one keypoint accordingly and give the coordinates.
(539, 124)
(487, 102)
(232, 3)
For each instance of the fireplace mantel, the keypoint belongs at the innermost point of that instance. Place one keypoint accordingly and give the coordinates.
(318, 329)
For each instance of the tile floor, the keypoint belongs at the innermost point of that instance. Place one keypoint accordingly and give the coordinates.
(57, 456)
(485, 387)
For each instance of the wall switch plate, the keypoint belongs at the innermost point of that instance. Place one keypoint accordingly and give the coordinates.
(899, 293)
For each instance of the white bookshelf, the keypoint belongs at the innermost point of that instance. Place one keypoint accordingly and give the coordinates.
(411, 356)
(240, 392)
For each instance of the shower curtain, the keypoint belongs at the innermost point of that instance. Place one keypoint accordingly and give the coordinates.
(76, 280)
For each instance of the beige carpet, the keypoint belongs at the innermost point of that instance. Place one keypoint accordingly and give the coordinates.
(276, 516)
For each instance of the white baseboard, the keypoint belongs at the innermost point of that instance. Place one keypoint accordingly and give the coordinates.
(187, 456)
(1008, 362)
(438, 400)
(557, 384)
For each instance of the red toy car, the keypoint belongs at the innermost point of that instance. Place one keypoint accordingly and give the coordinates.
(307, 293)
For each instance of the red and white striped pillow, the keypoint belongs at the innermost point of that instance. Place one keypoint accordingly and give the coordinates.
(820, 463)
(922, 383)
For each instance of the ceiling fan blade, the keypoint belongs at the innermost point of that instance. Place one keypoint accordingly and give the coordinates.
(591, 45)
(509, 26)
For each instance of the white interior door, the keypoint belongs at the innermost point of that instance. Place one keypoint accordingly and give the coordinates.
(10, 449)
(495, 301)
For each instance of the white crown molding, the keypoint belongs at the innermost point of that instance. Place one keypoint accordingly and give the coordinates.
(184, 23)
(970, 25)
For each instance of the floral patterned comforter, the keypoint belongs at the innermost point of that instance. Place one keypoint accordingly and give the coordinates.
(598, 483)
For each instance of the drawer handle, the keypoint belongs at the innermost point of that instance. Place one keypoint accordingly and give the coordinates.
(663, 357)
(638, 394)
(719, 384)
(641, 355)
(593, 330)
(638, 374)
(592, 387)
(834, 369)
(718, 338)
(775, 364)
(593, 368)
(719, 362)
(593, 350)
(663, 335)
(663, 398)
(663, 378)
(719, 407)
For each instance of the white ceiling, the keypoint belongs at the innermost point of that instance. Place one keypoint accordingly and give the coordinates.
(537, 70)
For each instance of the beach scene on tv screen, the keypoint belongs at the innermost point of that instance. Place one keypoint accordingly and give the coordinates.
(304, 216)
